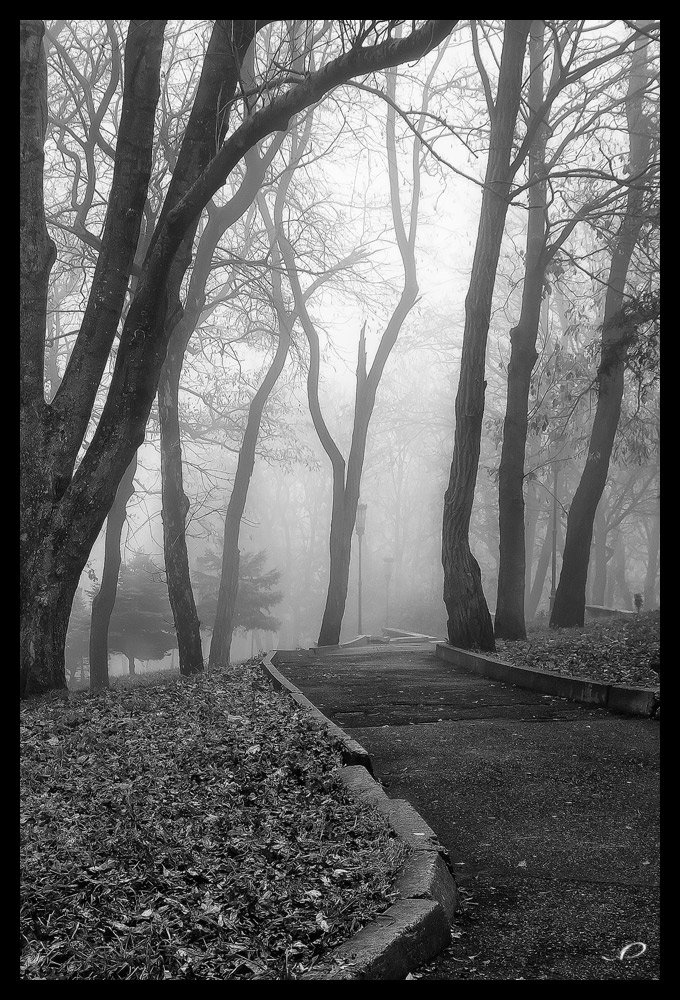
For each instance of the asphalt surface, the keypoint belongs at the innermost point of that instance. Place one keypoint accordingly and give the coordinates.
(549, 810)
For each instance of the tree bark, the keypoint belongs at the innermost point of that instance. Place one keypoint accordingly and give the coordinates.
(223, 629)
(75, 397)
(105, 599)
(532, 512)
(652, 563)
(345, 499)
(175, 507)
(347, 481)
(207, 126)
(570, 599)
(220, 646)
(469, 621)
(601, 558)
(538, 584)
(175, 502)
(509, 619)
(54, 550)
(619, 571)
(37, 255)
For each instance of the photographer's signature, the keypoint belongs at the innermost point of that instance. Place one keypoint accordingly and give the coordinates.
(634, 950)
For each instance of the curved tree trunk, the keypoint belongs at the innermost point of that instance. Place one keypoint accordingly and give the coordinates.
(223, 629)
(600, 559)
(619, 571)
(542, 564)
(346, 490)
(220, 646)
(63, 511)
(469, 621)
(347, 482)
(652, 532)
(55, 543)
(531, 521)
(207, 125)
(174, 513)
(175, 502)
(105, 599)
(570, 599)
(509, 619)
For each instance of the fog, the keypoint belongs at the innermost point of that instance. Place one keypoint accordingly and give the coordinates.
(355, 251)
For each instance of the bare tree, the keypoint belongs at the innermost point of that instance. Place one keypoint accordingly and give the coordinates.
(617, 334)
(62, 509)
(347, 474)
(469, 621)
(105, 598)
(591, 101)
(220, 646)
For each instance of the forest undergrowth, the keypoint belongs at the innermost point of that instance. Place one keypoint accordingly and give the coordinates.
(190, 828)
(615, 650)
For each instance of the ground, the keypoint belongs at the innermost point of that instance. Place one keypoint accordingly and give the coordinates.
(614, 650)
(189, 829)
(180, 828)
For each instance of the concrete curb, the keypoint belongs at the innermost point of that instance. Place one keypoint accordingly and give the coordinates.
(617, 698)
(352, 752)
(418, 924)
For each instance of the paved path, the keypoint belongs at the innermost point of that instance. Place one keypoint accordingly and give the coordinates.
(548, 809)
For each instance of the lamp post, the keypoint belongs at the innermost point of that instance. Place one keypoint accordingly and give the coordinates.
(360, 527)
(389, 562)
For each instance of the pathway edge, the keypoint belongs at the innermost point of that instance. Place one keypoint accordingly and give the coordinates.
(620, 699)
(417, 926)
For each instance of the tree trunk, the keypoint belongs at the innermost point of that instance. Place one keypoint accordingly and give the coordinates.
(652, 563)
(619, 571)
(174, 513)
(57, 530)
(105, 599)
(343, 518)
(532, 512)
(220, 645)
(570, 599)
(37, 254)
(600, 559)
(346, 488)
(63, 511)
(131, 663)
(208, 122)
(536, 592)
(509, 619)
(469, 621)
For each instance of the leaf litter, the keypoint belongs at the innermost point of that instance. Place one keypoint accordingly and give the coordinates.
(193, 828)
(613, 650)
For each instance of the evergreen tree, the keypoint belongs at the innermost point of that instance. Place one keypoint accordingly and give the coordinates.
(255, 592)
(77, 638)
(141, 624)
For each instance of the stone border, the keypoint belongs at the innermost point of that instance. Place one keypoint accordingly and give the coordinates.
(352, 752)
(618, 698)
(417, 926)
